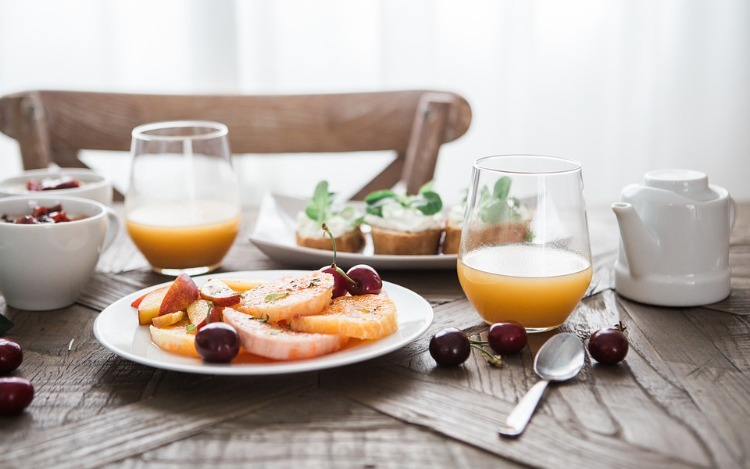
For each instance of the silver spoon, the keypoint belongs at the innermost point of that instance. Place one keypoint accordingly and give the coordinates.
(559, 359)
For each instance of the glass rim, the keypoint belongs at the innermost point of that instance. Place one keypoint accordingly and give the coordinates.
(215, 129)
(573, 165)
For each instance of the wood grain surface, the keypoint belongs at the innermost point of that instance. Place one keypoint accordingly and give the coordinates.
(681, 398)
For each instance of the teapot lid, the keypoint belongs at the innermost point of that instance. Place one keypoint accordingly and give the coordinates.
(686, 182)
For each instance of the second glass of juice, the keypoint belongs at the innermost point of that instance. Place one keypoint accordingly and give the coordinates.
(182, 207)
(525, 254)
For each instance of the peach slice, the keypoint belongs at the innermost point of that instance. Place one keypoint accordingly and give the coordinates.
(199, 310)
(219, 293)
(181, 293)
(168, 319)
(150, 304)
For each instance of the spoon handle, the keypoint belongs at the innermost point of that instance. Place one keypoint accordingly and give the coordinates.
(521, 414)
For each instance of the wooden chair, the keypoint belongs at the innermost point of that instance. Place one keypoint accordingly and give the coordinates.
(53, 126)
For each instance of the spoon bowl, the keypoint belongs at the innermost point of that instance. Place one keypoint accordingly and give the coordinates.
(559, 359)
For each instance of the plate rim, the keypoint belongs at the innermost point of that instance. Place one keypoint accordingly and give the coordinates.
(353, 355)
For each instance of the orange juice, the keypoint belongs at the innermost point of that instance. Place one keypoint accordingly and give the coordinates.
(535, 286)
(184, 236)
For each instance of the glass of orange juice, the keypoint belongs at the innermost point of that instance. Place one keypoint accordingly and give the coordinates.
(182, 207)
(525, 254)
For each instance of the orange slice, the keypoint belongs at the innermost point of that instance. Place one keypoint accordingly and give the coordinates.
(280, 300)
(242, 284)
(361, 317)
(175, 339)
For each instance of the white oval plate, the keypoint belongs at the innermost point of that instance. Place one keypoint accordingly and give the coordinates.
(117, 329)
(274, 235)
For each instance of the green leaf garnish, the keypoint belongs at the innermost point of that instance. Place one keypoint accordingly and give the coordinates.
(426, 200)
(495, 207)
(502, 187)
(275, 296)
(319, 207)
(190, 328)
(429, 203)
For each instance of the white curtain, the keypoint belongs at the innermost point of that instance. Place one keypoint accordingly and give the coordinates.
(623, 86)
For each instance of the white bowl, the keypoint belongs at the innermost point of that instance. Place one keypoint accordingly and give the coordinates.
(46, 266)
(93, 185)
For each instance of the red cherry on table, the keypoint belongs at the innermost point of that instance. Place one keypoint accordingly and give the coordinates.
(11, 356)
(507, 337)
(608, 346)
(15, 395)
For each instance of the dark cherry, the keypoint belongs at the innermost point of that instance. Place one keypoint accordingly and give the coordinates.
(506, 337)
(366, 280)
(217, 342)
(11, 356)
(450, 347)
(15, 395)
(608, 346)
(339, 281)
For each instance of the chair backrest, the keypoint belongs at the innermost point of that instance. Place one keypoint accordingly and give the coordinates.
(53, 126)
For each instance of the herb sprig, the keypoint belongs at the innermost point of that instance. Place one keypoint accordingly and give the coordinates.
(320, 207)
(426, 200)
(496, 206)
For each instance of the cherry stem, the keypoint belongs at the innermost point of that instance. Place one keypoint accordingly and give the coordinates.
(494, 360)
(333, 264)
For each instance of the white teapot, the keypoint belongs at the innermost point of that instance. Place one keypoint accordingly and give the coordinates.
(675, 239)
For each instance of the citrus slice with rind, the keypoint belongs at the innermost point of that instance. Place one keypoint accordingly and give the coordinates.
(175, 339)
(360, 317)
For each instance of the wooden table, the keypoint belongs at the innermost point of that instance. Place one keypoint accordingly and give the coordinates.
(681, 398)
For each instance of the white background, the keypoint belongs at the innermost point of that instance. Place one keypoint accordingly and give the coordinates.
(622, 86)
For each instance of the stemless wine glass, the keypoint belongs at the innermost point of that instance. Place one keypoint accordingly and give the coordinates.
(182, 206)
(525, 253)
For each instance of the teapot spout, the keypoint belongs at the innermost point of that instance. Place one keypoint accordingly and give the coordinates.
(640, 246)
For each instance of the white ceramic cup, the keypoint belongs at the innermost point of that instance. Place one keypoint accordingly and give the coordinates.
(93, 185)
(45, 266)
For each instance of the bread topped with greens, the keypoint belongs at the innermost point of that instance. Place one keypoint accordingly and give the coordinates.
(404, 224)
(502, 219)
(343, 222)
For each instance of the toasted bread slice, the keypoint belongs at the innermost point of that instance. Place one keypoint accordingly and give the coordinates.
(501, 233)
(361, 317)
(452, 239)
(406, 243)
(280, 300)
(277, 342)
(348, 242)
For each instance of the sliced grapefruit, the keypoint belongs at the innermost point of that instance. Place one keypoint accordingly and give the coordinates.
(273, 341)
(361, 317)
(280, 300)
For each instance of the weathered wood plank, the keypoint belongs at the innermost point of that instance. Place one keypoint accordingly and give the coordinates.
(308, 431)
(147, 424)
(473, 417)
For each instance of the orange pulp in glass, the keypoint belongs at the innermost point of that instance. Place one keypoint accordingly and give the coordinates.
(535, 286)
(185, 236)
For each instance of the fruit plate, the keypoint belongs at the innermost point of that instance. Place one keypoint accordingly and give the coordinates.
(117, 329)
(275, 230)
